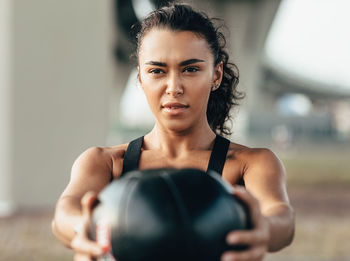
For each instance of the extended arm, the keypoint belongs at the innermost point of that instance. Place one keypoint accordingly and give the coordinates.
(272, 215)
(90, 174)
(266, 180)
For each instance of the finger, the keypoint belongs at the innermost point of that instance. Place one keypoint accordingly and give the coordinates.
(246, 237)
(82, 245)
(256, 253)
(81, 257)
(87, 202)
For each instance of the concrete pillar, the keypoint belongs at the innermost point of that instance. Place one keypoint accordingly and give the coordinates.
(6, 112)
(57, 71)
(248, 23)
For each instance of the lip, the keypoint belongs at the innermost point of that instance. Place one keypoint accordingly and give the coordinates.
(174, 105)
(174, 108)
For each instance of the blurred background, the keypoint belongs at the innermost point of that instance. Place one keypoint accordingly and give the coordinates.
(67, 84)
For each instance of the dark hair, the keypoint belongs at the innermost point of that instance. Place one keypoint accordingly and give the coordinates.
(182, 17)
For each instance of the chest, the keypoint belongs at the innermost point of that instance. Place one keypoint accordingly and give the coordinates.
(232, 170)
(154, 159)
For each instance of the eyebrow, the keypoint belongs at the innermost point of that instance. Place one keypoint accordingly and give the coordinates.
(183, 63)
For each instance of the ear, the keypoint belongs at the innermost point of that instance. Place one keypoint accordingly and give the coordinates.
(218, 73)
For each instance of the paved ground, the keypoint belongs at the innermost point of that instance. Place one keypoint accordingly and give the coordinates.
(322, 225)
(322, 232)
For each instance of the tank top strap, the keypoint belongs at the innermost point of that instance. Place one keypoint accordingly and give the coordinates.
(132, 155)
(218, 154)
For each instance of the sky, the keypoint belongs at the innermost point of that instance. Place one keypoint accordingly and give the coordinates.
(310, 40)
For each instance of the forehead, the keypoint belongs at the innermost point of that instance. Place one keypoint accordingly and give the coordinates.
(165, 44)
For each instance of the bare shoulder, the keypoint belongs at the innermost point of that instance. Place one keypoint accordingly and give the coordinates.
(95, 158)
(256, 158)
(94, 168)
(263, 173)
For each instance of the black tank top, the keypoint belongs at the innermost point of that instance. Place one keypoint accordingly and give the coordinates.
(216, 161)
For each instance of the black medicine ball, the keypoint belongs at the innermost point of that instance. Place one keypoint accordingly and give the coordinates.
(168, 214)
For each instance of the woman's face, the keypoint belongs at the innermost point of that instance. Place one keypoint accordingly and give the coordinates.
(176, 72)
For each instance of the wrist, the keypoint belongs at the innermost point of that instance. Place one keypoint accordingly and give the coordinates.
(268, 233)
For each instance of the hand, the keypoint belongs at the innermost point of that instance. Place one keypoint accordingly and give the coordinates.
(86, 249)
(257, 238)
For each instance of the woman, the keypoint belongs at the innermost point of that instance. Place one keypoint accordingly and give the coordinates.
(190, 87)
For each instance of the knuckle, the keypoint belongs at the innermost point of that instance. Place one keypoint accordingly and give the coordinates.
(262, 241)
(261, 237)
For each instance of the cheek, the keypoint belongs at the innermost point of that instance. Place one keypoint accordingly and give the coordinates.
(200, 91)
(152, 93)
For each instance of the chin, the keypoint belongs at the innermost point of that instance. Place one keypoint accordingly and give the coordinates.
(180, 126)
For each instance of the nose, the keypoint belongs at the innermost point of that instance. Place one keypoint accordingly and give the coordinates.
(174, 86)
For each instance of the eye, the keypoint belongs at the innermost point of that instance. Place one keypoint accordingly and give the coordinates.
(156, 71)
(191, 69)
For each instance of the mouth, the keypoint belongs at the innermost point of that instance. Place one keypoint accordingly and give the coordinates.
(174, 108)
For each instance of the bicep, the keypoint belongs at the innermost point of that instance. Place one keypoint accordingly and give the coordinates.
(265, 178)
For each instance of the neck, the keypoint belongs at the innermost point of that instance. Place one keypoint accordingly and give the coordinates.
(178, 143)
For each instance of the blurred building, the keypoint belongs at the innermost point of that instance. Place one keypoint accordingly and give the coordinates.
(305, 83)
(55, 79)
(65, 71)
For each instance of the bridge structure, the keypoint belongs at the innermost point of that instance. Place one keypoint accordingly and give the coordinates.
(63, 71)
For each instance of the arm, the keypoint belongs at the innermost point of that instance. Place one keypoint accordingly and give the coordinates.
(265, 179)
(280, 220)
(272, 215)
(90, 174)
